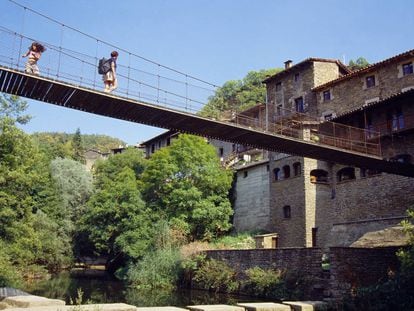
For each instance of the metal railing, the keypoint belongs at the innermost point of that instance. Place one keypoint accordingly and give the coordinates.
(165, 90)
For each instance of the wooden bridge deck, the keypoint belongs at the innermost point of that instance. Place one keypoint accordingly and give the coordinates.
(89, 100)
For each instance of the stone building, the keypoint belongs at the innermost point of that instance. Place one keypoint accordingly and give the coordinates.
(315, 203)
(92, 155)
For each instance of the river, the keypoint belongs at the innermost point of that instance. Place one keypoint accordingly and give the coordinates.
(106, 289)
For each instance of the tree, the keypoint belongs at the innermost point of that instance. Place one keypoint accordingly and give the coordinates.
(237, 95)
(78, 149)
(26, 193)
(13, 108)
(117, 222)
(108, 169)
(359, 63)
(185, 184)
(74, 184)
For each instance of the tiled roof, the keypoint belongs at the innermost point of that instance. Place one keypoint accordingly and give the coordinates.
(387, 100)
(365, 70)
(308, 60)
(165, 134)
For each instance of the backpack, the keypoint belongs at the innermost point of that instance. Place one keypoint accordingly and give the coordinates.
(104, 66)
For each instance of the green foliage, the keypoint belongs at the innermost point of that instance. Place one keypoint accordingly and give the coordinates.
(9, 275)
(266, 283)
(78, 150)
(107, 169)
(61, 145)
(12, 108)
(55, 250)
(238, 95)
(359, 63)
(116, 220)
(216, 275)
(26, 192)
(159, 269)
(74, 185)
(239, 241)
(396, 293)
(185, 184)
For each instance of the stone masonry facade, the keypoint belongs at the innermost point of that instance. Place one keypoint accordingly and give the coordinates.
(308, 197)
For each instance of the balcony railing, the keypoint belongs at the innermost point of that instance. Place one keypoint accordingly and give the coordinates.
(302, 126)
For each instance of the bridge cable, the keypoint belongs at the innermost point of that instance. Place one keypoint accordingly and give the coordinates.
(112, 45)
(21, 39)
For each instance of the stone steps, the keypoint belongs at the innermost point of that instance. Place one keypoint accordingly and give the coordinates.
(37, 303)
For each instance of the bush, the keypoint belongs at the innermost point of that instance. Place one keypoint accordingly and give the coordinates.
(240, 241)
(266, 283)
(217, 276)
(9, 275)
(395, 294)
(158, 269)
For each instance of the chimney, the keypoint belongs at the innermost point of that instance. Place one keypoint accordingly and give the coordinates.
(288, 64)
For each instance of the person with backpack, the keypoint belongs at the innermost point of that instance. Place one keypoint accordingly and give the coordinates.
(33, 55)
(108, 69)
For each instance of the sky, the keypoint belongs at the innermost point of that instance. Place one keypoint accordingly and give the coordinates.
(214, 40)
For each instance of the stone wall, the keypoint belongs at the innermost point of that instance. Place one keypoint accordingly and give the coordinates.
(354, 267)
(305, 260)
(349, 267)
(252, 198)
(362, 199)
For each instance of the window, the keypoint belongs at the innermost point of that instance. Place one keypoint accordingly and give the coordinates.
(369, 127)
(152, 148)
(362, 172)
(286, 171)
(297, 169)
(221, 151)
(276, 174)
(286, 211)
(407, 69)
(395, 120)
(299, 104)
(314, 236)
(370, 81)
(278, 86)
(346, 173)
(326, 95)
(267, 168)
(297, 77)
(168, 141)
(279, 110)
(245, 174)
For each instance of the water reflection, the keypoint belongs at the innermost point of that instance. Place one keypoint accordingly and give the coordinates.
(108, 290)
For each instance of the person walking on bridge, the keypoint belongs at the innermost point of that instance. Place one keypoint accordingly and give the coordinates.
(109, 78)
(33, 55)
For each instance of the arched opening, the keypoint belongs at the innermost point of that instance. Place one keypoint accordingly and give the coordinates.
(297, 168)
(276, 174)
(286, 171)
(346, 173)
(318, 176)
(286, 211)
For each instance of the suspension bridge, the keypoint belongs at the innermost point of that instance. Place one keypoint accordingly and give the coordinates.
(170, 99)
